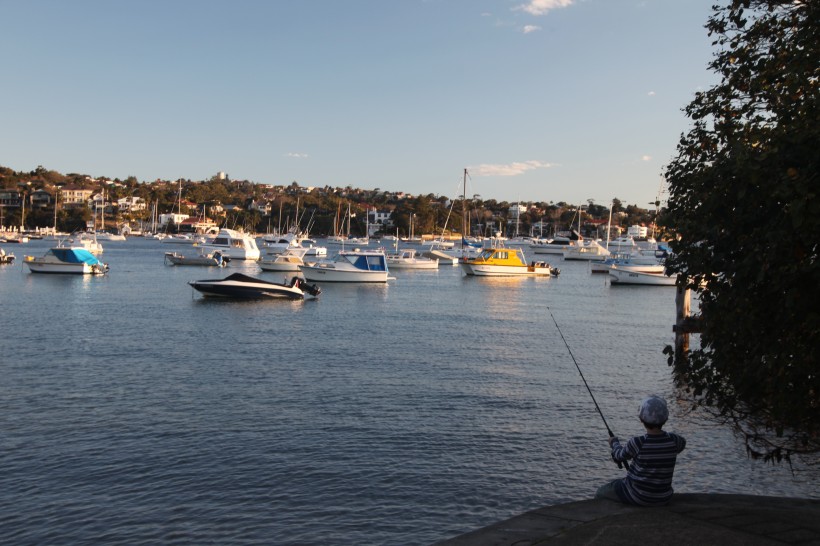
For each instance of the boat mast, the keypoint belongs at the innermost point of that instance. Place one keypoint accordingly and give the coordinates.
(609, 224)
(464, 219)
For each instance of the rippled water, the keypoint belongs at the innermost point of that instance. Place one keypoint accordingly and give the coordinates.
(133, 411)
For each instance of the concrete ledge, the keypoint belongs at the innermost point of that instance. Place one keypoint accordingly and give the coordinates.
(698, 519)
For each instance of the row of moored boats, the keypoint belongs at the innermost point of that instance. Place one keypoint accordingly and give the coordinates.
(632, 266)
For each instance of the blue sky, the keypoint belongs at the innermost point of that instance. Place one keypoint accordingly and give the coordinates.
(543, 100)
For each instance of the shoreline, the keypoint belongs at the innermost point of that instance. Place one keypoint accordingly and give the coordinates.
(690, 518)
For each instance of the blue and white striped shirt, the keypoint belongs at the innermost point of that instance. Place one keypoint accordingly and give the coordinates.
(653, 456)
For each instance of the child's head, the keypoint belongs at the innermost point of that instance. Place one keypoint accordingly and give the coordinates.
(653, 412)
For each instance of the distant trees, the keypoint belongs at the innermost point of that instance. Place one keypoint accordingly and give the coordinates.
(743, 200)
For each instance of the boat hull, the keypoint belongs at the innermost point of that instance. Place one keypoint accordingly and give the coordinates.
(419, 264)
(327, 273)
(480, 270)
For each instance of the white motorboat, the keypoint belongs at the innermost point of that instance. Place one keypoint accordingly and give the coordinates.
(233, 244)
(349, 266)
(588, 250)
(6, 258)
(634, 261)
(410, 259)
(72, 260)
(243, 286)
(618, 276)
(107, 236)
(313, 249)
(182, 239)
(556, 245)
(624, 243)
(89, 242)
(275, 244)
(213, 259)
(289, 260)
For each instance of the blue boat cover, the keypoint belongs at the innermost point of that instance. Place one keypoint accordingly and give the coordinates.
(74, 255)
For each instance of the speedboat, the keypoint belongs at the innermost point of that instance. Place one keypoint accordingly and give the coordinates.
(619, 276)
(288, 260)
(238, 285)
(349, 266)
(505, 262)
(233, 244)
(73, 260)
(203, 258)
(410, 259)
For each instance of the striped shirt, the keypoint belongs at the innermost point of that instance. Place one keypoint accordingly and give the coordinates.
(653, 456)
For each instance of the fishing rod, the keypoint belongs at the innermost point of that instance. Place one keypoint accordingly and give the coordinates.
(609, 430)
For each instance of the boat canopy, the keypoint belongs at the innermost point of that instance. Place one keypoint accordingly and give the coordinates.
(367, 262)
(74, 256)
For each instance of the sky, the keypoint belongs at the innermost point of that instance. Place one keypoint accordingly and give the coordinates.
(540, 100)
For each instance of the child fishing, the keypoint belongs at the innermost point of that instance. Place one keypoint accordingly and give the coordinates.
(648, 481)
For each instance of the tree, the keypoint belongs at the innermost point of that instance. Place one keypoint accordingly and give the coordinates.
(743, 201)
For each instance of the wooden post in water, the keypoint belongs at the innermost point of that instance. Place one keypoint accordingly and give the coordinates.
(682, 328)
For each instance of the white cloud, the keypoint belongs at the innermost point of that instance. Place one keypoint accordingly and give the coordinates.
(530, 28)
(511, 169)
(651, 93)
(541, 7)
(296, 155)
(646, 158)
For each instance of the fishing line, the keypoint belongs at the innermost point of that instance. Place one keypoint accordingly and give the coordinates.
(609, 430)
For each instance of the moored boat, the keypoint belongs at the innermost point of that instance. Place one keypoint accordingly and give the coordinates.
(233, 244)
(6, 258)
(410, 259)
(619, 276)
(349, 266)
(588, 250)
(72, 260)
(241, 286)
(214, 259)
(634, 261)
(288, 260)
(505, 262)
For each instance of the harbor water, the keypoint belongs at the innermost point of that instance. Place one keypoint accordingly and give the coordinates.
(135, 411)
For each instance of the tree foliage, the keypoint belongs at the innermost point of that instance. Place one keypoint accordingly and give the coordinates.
(743, 200)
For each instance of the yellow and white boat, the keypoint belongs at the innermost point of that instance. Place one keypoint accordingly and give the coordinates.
(505, 262)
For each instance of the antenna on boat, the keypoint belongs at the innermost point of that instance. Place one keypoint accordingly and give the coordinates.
(611, 435)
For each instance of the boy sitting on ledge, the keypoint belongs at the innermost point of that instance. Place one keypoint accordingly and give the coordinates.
(652, 455)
